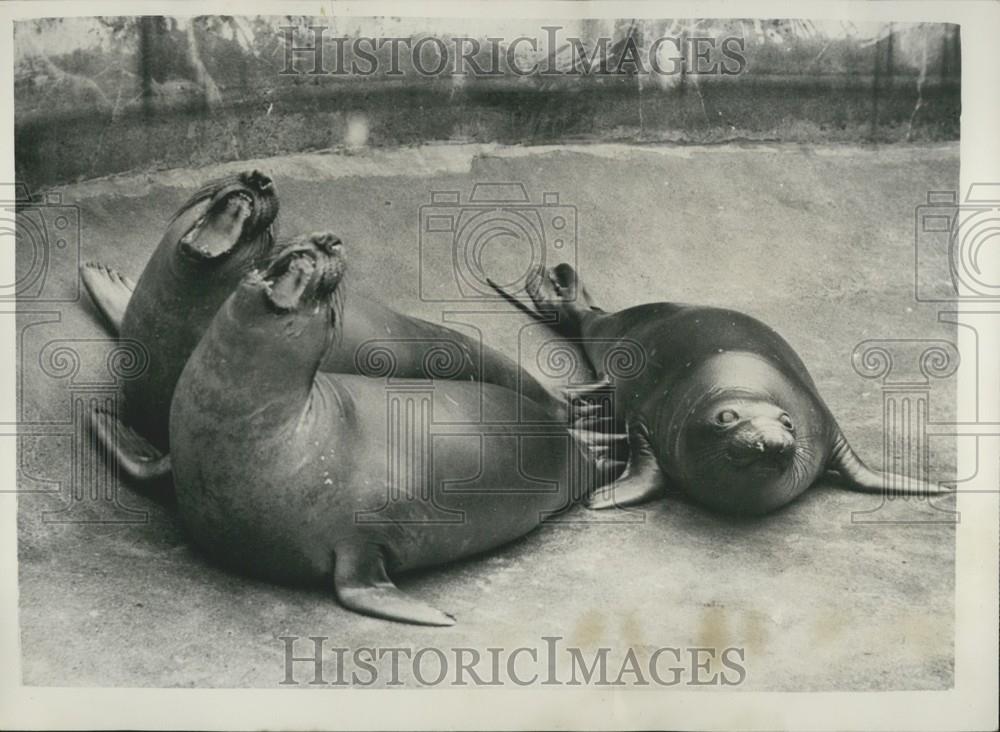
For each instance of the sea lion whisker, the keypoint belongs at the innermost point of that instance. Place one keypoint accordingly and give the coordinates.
(337, 315)
(800, 466)
(711, 454)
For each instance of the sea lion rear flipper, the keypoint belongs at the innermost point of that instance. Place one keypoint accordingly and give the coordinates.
(642, 481)
(362, 585)
(110, 290)
(859, 477)
(134, 454)
(516, 303)
(568, 287)
(554, 294)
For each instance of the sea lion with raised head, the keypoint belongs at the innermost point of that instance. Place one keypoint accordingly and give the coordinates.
(221, 233)
(276, 463)
(723, 408)
(216, 237)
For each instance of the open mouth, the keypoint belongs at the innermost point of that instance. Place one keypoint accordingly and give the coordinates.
(216, 232)
(306, 272)
(288, 282)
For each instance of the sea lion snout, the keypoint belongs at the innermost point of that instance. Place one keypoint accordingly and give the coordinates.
(265, 198)
(760, 437)
(327, 241)
(308, 269)
(260, 181)
(230, 212)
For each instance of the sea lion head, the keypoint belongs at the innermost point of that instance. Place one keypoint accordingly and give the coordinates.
(746, 439)
(292, 306)
(741, 453)
(754, 430)
(304, 274)
(229, 218)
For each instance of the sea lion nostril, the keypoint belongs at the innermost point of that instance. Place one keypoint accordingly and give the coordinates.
(326, 241)
(260, 180)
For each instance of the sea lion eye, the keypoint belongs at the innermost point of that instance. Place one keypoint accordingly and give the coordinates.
(786, 421)
(727, 416)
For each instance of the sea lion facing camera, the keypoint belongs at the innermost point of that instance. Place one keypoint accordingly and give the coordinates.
(724, 408)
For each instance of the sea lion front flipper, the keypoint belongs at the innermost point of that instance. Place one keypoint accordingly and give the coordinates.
(859, 477)
(362, 585)
(134, 454)
(642, 481)
(110, 290)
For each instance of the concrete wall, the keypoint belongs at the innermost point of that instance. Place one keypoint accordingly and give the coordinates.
(103, 95)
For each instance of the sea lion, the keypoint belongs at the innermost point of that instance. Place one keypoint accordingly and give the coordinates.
(220, 234)
(216, 237)
(274, 459)
(724, 408)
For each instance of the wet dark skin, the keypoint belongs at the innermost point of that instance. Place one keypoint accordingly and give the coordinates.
(280, 467)
(723, 408)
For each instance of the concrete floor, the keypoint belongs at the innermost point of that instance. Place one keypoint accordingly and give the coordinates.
(816, 242)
